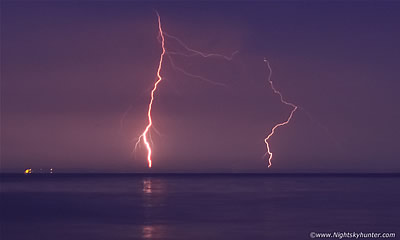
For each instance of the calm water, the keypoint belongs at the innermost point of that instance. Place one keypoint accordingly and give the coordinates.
(195, 207)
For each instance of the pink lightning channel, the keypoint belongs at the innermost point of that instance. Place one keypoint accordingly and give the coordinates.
(146, 135)
(279, 124)
(159, 79)
(195, 52)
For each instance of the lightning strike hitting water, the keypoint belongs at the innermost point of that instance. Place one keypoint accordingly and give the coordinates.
(159, 79)
(145, 136)
(279, 124)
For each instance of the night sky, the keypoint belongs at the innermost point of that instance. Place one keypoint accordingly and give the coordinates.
(76, 79)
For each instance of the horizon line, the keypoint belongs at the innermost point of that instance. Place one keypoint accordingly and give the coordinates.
(397, 174)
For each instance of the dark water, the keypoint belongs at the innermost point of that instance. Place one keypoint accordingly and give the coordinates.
(196, 206)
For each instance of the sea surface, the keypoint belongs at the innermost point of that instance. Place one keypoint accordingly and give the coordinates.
(196, 206)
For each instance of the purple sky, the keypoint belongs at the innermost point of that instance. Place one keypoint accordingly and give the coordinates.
(71, 70)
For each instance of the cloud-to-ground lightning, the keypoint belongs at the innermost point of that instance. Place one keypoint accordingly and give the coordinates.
(145, 133)
(294, 108)
(145, 136)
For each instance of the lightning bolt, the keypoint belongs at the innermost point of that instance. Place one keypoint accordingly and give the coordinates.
(294, 108)
(146, 135)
